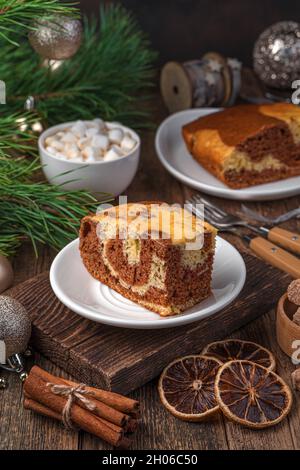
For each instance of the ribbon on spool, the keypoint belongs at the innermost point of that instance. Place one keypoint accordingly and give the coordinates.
(212, 80)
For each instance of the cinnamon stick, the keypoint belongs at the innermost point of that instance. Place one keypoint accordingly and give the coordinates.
(101, 409)
(33, 405)
(40, 392)
(119, 402)
(30, 404)
(115, 400)
(130, 426)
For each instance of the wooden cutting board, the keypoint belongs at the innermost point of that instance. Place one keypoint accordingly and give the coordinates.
(123, 359)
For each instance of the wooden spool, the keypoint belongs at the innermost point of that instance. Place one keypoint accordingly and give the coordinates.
(176, 87)
(287, 331)
(211, 81)
(227, 79)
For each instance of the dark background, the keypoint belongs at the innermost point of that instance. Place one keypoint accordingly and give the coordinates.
(185, 29)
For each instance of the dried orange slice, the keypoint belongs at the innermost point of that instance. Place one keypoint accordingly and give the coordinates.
(236, 349)
(187, 387)
(252, 395)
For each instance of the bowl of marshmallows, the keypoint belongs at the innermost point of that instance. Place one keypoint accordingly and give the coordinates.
(94, 155)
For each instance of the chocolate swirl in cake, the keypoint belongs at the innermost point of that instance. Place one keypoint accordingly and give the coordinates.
(159, 273)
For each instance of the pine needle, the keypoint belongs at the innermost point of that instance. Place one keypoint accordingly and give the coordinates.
(40, 212)
(30, 209)
(110, 76)
(21, 14)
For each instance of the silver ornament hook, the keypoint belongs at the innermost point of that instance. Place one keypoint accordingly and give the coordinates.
(29, 104)
(15, 364)
(15, 330)
(3, 383)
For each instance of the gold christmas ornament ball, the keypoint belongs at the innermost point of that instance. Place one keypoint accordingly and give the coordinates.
(6, 274)
(276, 55)
(56, 39)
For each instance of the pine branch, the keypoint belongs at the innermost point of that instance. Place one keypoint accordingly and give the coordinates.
(14, 140)
(38, 211)
(20, 14)
(9, 244)
(110, 76)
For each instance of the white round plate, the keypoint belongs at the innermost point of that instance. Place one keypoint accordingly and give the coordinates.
(175, 157)
(80, 292)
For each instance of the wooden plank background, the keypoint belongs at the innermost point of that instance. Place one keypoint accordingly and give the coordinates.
(186, 29)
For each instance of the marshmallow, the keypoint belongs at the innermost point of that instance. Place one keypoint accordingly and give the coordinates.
(91, 132)
(90, 125)
(84, 142)
(71, 151)
(60, 155)
(128, 143)
(115, 136)
(99, 123)
(79, 129)
(68, 137)
(51, 150)
(89, 141)
(99, 154)
(57, 145)
(88, 154)
(49, 140)
(112, 154)
(100, 141)
(112, 125)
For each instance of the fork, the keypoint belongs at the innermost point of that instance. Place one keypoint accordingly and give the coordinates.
(271, 221)
(284, 238)
(270, 252)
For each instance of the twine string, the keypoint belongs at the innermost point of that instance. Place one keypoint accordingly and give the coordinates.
(79, 392)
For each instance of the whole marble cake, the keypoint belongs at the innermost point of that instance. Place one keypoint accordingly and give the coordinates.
(248, 144)
(151, 253)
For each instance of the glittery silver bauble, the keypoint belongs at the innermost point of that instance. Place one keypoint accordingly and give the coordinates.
(15, 327)
(276, 55)
(56, 39)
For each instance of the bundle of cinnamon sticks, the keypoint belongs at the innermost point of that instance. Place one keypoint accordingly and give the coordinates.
(113, 418)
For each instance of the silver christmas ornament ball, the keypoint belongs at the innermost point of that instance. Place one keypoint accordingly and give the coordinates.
(276, 55)
(56, 39)
(15, 326)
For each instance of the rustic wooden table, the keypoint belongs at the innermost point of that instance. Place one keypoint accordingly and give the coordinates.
(20, 429)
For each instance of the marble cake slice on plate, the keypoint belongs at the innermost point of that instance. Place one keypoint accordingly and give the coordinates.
(248, 144)
(142, 251)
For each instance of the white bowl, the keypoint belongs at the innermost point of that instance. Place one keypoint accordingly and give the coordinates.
(112, 176)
